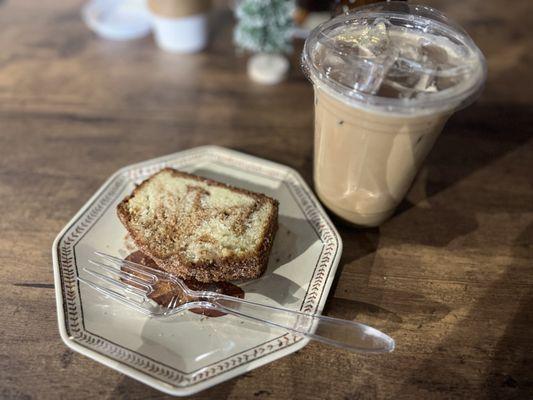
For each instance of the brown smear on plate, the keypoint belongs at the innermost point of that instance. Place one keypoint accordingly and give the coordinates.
(164, 292)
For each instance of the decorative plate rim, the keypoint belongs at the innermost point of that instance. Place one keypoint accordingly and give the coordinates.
(140, 367)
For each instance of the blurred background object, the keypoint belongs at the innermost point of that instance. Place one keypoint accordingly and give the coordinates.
(265, 29)
(343, 6)
(311, 13)
(117, 19)
(180, 25)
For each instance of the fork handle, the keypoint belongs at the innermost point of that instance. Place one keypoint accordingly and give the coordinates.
(342, 333)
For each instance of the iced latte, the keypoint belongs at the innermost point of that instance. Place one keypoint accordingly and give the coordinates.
(386, 80)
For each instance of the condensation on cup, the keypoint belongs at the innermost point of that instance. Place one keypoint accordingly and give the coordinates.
(386, 79)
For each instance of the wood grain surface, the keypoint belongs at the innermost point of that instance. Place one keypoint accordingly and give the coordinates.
(450, 276)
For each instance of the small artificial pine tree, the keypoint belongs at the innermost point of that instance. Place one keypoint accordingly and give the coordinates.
(264, 26)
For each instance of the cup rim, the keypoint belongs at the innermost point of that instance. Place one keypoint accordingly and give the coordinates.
(461, 95)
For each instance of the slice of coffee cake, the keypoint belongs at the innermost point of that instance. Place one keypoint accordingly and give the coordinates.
(197, 228)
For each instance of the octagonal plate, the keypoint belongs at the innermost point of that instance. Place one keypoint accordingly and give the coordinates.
(187, 353)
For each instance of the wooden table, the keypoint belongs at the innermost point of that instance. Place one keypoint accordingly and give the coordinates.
(450, 276)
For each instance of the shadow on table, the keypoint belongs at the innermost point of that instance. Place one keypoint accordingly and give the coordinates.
(360, 254)
(472, 139)
(509, 376)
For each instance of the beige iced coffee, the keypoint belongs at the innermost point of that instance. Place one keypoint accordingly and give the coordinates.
(386, 81)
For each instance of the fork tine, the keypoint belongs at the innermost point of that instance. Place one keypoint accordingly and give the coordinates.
(142, 269)
(123, 274)
(154, 274)
(117, 296)
(121, 285)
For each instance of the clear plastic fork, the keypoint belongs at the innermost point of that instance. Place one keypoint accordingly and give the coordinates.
(132, 284)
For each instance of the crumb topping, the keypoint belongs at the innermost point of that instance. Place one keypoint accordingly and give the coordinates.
(197, 221)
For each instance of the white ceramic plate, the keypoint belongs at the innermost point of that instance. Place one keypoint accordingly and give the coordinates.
(187, 353)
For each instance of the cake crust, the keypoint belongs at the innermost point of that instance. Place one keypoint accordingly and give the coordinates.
(219, 268)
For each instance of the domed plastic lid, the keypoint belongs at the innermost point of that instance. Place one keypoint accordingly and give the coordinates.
(395, 56)
(118, 19)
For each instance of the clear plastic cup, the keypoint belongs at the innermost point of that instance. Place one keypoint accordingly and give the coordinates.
(386, 77)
